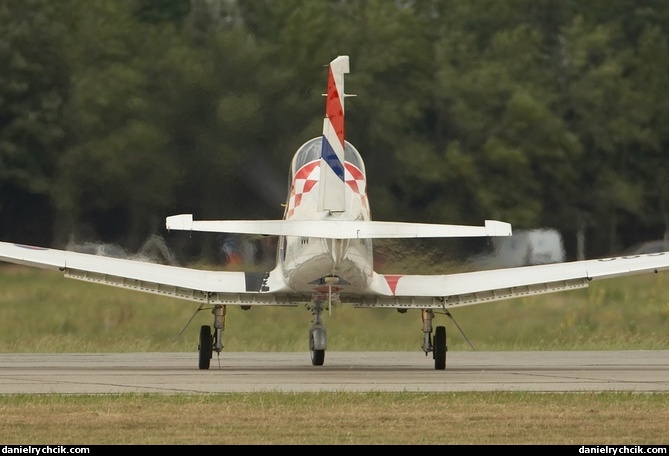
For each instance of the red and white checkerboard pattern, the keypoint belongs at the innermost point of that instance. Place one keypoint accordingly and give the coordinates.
(356, 180)
(307, 177)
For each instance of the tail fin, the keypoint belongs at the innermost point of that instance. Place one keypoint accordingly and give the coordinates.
(332, 186)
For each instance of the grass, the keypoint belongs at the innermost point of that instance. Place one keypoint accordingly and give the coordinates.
(42, 312)
(337, 418)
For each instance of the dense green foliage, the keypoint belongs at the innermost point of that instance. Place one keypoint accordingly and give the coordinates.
(114, 115)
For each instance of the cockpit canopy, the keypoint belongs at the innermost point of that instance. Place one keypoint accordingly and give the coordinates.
(311, 150)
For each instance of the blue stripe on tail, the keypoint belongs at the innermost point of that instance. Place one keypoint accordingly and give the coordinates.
(328, 154)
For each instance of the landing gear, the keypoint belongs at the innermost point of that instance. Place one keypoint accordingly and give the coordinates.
(317, 335)
(438, 346)
(208, 343)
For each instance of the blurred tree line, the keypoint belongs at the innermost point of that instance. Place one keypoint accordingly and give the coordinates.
(542, 113)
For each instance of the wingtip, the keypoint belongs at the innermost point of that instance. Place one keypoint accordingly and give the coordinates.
(497, 228)
(179, 222)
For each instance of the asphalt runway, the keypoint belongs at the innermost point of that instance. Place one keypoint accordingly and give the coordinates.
(170, 373)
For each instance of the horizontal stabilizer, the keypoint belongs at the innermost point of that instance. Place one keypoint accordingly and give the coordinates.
(337, 229)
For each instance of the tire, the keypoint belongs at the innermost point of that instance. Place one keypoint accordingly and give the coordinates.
(439, 353)
(205, 347)
(317, 357)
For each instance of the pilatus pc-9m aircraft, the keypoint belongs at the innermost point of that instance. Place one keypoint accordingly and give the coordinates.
(324, 253)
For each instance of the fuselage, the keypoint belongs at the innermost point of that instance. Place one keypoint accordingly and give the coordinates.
(307, 261)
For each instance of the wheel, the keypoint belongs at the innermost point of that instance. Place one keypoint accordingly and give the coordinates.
(317, 357)
(439, 352)
(317, 339)
(205, 347)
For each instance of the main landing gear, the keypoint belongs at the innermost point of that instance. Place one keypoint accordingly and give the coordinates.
(211, 342)
(437, 345)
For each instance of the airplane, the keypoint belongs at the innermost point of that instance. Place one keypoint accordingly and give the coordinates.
(325, 254)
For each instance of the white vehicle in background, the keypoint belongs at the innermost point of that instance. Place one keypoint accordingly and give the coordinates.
(524, 248)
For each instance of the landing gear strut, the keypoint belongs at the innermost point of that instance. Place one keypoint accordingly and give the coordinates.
(436, 346)
(208, 342)
(317, 335)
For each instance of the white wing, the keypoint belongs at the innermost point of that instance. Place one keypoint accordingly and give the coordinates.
(214, 287)
(387, 290)
(453, 290)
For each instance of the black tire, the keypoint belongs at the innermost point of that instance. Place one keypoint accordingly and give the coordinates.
(317, 357)
(439, 352)
(205, 347)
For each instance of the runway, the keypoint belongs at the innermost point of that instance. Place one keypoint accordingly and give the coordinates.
(171, 373)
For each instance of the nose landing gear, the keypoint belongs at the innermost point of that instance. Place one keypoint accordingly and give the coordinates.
(317, 335)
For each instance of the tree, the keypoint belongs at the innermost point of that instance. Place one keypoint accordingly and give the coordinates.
(114, 177)
(34, 87)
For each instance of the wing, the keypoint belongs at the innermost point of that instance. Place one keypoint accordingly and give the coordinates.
(337, 229)
(214, 287)
(461, 289)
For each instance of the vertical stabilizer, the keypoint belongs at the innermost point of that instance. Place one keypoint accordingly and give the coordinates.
(332, 186)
